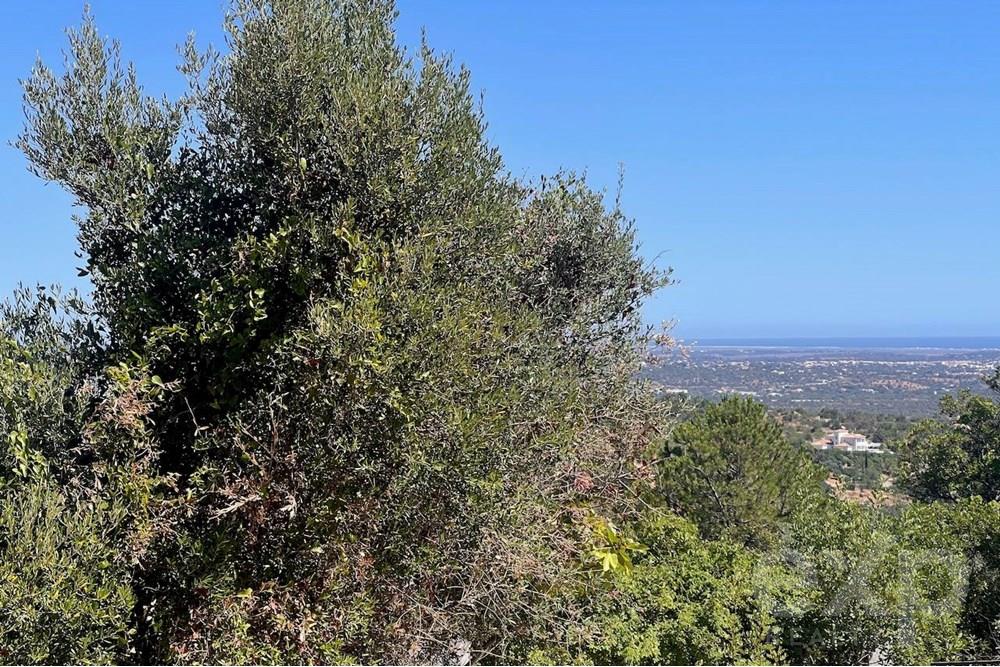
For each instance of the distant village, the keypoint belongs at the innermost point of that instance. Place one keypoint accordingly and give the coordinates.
(879, 381)
(843, 440)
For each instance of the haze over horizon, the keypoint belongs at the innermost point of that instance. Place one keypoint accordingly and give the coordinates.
(971, 342)
(812, 169)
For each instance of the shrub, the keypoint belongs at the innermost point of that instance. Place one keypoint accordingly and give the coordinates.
(690, 601)
(730, 470)
(363, 393)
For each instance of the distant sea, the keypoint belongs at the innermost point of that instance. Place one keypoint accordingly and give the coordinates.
(874, 343)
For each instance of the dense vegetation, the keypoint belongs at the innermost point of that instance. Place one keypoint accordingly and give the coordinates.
(345, 391)
(860, 470)
(957, 456)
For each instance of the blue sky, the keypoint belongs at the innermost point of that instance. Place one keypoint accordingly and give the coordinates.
(808, 168)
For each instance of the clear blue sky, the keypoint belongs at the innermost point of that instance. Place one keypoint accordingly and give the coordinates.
(808, 168)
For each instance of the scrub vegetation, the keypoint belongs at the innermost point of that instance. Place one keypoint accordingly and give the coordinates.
(346, 391)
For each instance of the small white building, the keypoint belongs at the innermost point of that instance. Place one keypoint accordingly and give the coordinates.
(853, 442)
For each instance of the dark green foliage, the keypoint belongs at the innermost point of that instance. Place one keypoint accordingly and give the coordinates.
(957, 456)
(857, 469)
(832, 582)
(732, 472)
(956, 459)
(362, 395)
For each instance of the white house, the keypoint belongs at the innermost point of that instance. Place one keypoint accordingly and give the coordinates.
(853, 442)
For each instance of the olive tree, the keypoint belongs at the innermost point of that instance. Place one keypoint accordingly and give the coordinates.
(383, 394)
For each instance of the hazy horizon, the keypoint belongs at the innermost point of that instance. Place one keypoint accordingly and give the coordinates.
(947, 342)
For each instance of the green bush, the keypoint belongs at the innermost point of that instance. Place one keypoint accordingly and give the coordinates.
(875, 586)
(690, 601)
(65, 584)
(857, 469)
(731, 471)
(75, 488)
(363, 395)
(957, 456)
